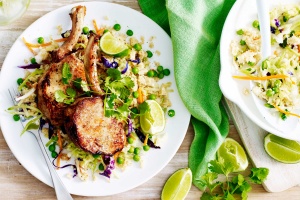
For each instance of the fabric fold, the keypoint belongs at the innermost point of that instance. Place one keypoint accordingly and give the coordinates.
(195, 28)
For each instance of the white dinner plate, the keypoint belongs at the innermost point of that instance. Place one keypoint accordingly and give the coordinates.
(26, 149)
(242, 14)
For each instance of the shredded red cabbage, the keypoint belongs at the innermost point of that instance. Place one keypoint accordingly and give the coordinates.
(137, 60)
(142, 137)
(30, 66)
(130, 128)
(125, 69)
(109, 167)
(75, 172)
(108, 64)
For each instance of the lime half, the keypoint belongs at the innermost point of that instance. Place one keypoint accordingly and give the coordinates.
(282, 150)
(113, 46)
(153, 121)
(232, 151)
(178, 185)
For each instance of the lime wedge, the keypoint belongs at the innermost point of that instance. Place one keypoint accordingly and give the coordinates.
(232, 151)
(282, 150)
(153, 121)
(178, 185)
(113, 46)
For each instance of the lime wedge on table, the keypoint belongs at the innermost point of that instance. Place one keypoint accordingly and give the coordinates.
(153, 121)
(282, 150)
(178, 185)
(232, 151)
(113, 46)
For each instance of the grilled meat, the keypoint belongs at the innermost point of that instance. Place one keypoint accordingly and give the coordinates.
(77, 15)
(51, 81)
(90, 63)
(88, 128)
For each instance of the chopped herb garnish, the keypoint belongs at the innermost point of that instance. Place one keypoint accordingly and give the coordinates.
(68, 98)
(66, 73)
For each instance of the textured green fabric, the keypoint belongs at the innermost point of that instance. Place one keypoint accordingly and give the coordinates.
(196, 27)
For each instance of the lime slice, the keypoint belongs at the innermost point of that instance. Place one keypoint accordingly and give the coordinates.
(153, 122)
(178, 185)
(282, 150)
(113, 46)
(232, 151)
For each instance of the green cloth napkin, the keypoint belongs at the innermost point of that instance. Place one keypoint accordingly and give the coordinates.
(195, 27)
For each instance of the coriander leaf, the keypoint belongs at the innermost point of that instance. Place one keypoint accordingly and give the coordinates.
(114, 74)
(81, 85)
(69, 101)
(221, 167)
(144, 107)
(66, 73)
(208, 179)
(239, 179)
(60, 96)
(124, 93)
(258, 175)
(71, 92)
(128, 82)
(228, 196)
(206, 196)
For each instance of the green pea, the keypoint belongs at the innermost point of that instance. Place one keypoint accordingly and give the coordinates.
(255, 24)
(117, 27)
(55, 138)
(96, 155)
(155, 73)
(135, 94)
(130, 140)
(240, 32)
(152, 97)
(16, 117)
(40, 40)
(33, 61)
(137, 46)
(105, 31)
(277, 83)
(135, 70)
(131, 150)
(101, 167)
(166, 72)
(85, 30)
(53, 154)
(136, 158)
(120, 160)
(150, 73)
(20, 81)
(160, 68)
(242, 42)
(269, 92)
(129, 32)
(161, 75)
(171, 113)
(149, 54)
(136, 150)
(52, 147)
(146, 147)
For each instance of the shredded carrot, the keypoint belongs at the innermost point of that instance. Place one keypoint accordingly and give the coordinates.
(285, 112)
(146, 139)
(44, 44)
(59, 142)
(96, 27)
(278, 76)
(28, 46)
(140, 97)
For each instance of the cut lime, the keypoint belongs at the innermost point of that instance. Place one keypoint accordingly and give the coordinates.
(232, 151)
(178, 185)
(282, 150)
(113, 46)
(153, 121)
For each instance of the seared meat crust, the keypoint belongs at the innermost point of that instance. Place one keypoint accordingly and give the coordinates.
(50, 82)
(77, 15)
(88, 128)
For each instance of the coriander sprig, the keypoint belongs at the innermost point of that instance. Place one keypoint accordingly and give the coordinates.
(236, 187)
